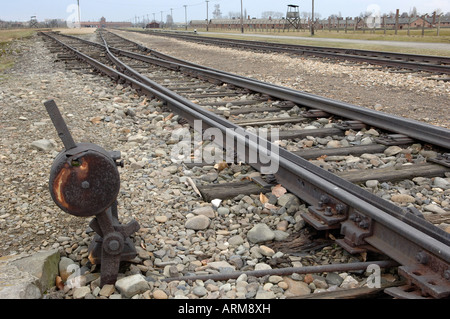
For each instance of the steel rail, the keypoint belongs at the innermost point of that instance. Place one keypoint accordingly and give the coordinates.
(406, 61)
(395, 55)
(389, 234)
(415, 129)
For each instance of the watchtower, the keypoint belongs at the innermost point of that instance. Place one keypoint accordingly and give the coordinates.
(292, 17)
(33, 22)
(103, 22)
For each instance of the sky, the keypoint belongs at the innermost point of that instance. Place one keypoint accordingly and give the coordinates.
(127, 10)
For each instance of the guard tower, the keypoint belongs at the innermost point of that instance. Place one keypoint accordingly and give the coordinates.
(103, 22)
(292, 17)
(33, 22)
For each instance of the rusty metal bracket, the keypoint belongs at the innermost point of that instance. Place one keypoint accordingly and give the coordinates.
(327, 215)
(355, 229)
(429, 274)
(405, 292)
(84, 181)
(428, 277)
(111, 244)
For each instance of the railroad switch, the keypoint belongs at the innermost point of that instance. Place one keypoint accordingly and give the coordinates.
(84, 182)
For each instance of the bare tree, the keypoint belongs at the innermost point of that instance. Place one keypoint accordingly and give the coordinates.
(271, 14)
(364, 15)
(234, 14)
(217, 14)
(53, 23)
(439, 11)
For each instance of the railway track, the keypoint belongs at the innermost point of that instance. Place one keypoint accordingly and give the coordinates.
(365, 221)
(394, 61)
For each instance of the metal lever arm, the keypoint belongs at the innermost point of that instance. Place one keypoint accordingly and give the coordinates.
(60, 125)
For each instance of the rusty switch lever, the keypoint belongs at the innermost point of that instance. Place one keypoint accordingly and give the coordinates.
(60, 125)
(84, 181)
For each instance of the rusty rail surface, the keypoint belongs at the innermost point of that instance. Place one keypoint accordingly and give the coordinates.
(366, 221)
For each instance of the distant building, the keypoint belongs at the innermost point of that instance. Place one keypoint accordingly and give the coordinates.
(444, 21)
(341, 23)
(104, 24)
(153, 25)
(414, 22)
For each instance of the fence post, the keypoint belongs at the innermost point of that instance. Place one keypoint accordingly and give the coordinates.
(396, 20)
(439, 24)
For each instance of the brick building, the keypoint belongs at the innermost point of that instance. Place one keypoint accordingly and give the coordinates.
(104, 24)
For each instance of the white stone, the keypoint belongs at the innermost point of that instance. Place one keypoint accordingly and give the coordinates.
(199, 222)
(349, 282)
(435, 209)
(260, 233)
(262, 266)
(392, 150)
(220, 264)
(81, 292)
(44, 145)
(132, 285)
